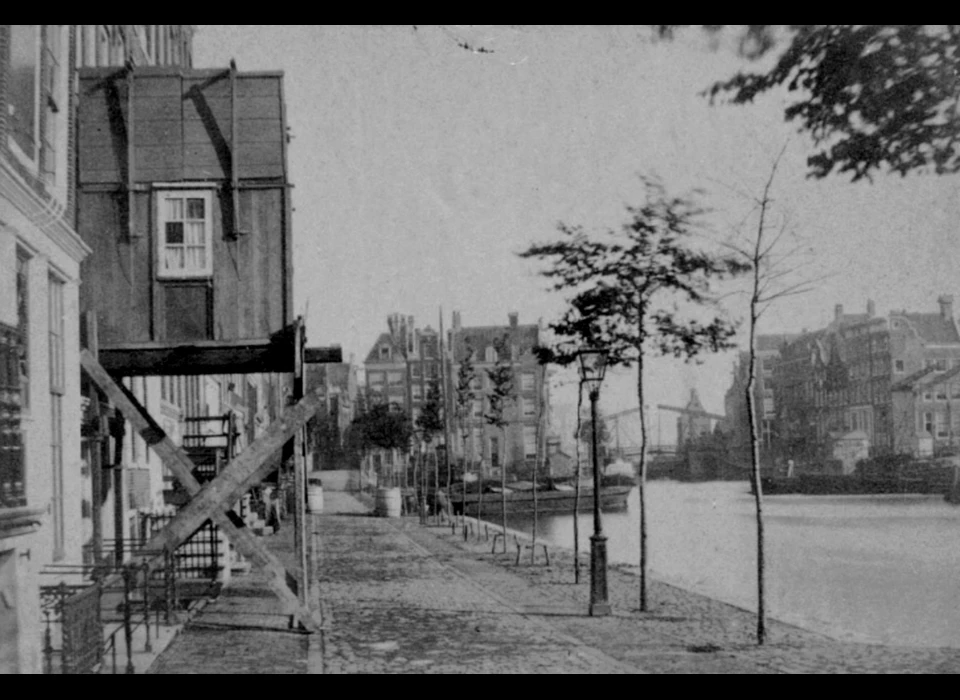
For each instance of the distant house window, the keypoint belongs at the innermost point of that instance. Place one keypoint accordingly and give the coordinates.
(415, 369)
(415, 391)
(477, 439)
(942, 428)
(103, 45)
(528, 406)
(376, 378)
(928, 394)
(477, 408)
(185, 235)
(529, 442)
(384, 352)
(490, 354)
(395, 378)
(955, 390)
(941, 392)
(146, 32)
(898, 366)
(928, 422)
(527, 381)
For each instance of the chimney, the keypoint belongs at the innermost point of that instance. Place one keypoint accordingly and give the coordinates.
(837, 312)
(456, 320)
(513, 316)
(946, 306)
(871, 308)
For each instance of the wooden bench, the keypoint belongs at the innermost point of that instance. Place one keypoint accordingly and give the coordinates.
(533, 551)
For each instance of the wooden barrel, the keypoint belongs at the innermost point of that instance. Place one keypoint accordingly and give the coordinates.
(388, 503)
(315, 498)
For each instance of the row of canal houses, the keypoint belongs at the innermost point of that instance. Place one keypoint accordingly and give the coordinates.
(145, 216)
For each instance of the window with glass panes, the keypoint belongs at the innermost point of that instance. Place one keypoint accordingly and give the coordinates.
(23, 90)
(529, 441)
(184, 237)
(527, 381)
(23, 324)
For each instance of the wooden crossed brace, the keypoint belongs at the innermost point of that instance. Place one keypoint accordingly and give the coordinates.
(214, 500)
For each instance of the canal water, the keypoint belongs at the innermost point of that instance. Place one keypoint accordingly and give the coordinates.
(883, 569)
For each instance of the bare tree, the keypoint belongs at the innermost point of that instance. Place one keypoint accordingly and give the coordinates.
(501, 393)
(772, 272)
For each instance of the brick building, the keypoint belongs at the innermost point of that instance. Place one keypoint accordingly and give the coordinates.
(737, 423)
(526, 414)
(839, 380)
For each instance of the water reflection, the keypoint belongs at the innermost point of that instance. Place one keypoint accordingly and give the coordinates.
(872, 568)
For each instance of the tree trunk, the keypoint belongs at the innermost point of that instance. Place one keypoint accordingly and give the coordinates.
(479, 495)
(541, 454)
(576, 497)
(503, 488)
(436, 485)
(757, 485)
(642, 477)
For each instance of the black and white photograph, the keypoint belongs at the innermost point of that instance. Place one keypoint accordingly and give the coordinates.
(479, 349)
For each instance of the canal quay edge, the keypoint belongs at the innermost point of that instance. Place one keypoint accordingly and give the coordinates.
(395, 596)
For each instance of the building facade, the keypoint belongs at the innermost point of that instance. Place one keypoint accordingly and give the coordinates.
(736, 426)
(405, 361)
(336, 383)
(839, 381)
(517, 447)
(40, 256)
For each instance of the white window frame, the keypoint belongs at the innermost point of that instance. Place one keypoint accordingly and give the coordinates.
(528, 381)
(162, 194)
(529, 439)
(528, 407)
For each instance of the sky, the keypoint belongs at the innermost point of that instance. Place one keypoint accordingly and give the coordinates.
(421, 168)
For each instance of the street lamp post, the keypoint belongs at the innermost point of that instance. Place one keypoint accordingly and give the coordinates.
(592, 369)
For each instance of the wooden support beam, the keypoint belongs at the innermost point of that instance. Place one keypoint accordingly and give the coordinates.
(217, 496)
(299, 467)
(234, 153)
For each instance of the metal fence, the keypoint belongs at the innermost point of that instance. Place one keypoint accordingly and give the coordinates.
(90, 625)
(200, 557)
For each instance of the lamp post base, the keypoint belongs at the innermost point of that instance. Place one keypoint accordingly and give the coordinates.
(598, 576)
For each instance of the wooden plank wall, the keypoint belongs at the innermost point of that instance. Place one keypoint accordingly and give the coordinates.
(182, 133)
(182, 126)
(248, 272)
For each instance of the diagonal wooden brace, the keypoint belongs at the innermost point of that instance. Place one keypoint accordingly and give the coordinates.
(214, 500)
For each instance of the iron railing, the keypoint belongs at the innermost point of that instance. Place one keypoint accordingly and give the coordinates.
(86, 622)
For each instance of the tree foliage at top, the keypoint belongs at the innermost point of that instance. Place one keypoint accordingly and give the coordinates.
(625, 288)
(430, 420)
(383, 426)
(501, 386)
(464, 393)
(625, 293)
(873, 97)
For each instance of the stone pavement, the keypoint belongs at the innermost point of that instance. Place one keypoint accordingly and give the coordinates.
(398, 597)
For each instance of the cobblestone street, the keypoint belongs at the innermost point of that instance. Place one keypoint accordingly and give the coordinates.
(398, 597)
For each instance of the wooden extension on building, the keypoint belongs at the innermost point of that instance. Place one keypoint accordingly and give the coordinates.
(183, 196)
